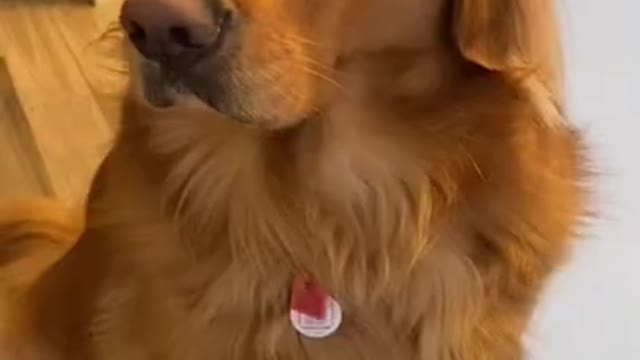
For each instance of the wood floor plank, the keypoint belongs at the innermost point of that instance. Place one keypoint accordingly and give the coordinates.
(95, 40)
(68, 125)
(21, 166)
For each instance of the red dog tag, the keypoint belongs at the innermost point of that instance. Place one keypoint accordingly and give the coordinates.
(313, 312)
(309, 299)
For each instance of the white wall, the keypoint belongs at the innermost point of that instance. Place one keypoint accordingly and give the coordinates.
(592, 309)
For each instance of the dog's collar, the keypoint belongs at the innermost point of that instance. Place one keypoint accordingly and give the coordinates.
(313, 312)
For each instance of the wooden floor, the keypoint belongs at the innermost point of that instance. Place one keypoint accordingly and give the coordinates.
(61, 78)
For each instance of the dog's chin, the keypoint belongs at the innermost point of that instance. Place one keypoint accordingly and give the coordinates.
(160, 96)
(163, 89)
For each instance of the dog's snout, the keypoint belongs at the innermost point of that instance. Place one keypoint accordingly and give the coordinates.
(172, 32)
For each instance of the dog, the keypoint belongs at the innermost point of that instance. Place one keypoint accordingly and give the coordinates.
(302, 179)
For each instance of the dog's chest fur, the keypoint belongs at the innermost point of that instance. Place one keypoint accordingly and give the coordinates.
(220, 308)
(418, 240)
(218, 285)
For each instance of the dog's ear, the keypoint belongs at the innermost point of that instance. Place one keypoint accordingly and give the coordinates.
(505, 34)
(516, 37)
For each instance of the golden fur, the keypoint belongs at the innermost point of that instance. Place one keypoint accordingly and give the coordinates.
(433, 196)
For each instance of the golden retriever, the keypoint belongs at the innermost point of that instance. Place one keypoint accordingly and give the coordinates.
(408, 159)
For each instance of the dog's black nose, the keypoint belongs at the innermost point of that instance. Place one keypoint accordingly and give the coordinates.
(173, 33)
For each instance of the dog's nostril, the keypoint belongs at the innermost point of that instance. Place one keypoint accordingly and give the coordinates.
(136, 33)
(182, 36)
